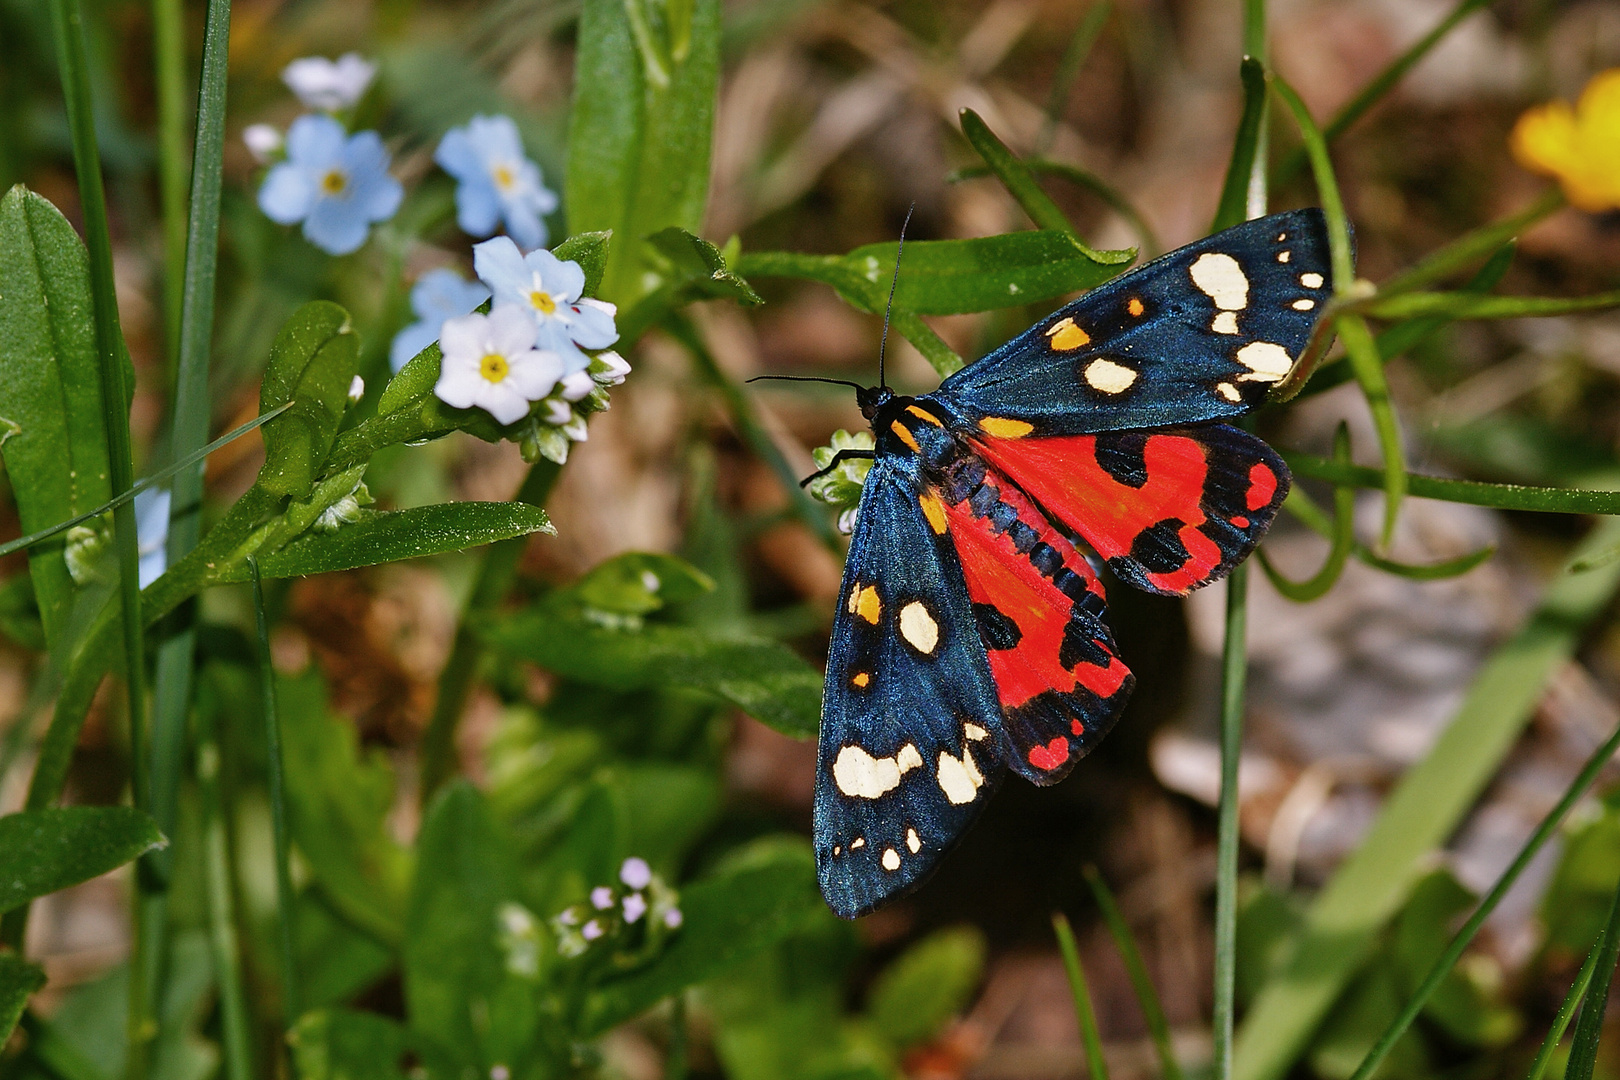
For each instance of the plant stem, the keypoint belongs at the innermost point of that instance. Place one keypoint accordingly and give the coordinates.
(1566, 1012)
(227, 954)
(1589, 1027)
(169, 62)
(1096, 1064)
(1234, 671)
(495, 575)
(116, 387)
(290, 1002)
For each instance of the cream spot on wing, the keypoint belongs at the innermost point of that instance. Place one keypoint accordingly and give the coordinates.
(1311, 281)
(919, 628)
(1220, 276)
(861, 776)
(1267, 362)
(975, 732)
(838, 849)
(857, 843)
(891, 860)
(1229, 392)
(1109, 377)
(1281, 237)
(1303, 305)
(1284, 256)
(1225, 323)
(913, 841)
(959, 778)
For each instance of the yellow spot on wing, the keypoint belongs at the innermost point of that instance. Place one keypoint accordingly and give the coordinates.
(905, 436)
(866, 604)
(924, 414)
(1002, 428)
(1135, 306)
(861, 679)
(933, 510)
(1066, 336)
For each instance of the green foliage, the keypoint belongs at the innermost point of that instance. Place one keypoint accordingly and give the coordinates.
(312, 363)
(639, 134)
(342, 1044)
(19, 980)
(47, 850)
(914, 997)
(51, 436)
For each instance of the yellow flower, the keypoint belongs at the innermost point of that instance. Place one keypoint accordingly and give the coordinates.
(1580, 146)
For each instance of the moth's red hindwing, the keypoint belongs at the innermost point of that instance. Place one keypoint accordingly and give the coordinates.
(1038, 604)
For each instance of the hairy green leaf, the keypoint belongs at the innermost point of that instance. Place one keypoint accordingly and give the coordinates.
(389, 536)
(46, 850)
(312, 364)
(51, 434)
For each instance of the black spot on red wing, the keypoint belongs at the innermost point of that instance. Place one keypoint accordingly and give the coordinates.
(1158, 548)
(996, 629)
(983, 500)
(1122, 455)
(1071, 584)
(1023, 537)
(1002, 518)
(1045, 558)
(1080, 645)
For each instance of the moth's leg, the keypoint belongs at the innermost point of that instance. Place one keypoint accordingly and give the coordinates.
(838, 459)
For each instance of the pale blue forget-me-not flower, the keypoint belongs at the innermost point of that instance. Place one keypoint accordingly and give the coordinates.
(152, 533)
(437, 295)
(337, 184)
(495, 182)
(548, 288)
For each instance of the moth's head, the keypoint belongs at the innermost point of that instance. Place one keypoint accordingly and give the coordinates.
(872, 398)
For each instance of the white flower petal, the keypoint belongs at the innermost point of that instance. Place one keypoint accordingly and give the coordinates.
(503, 402)
(464, 338)
(511, 329)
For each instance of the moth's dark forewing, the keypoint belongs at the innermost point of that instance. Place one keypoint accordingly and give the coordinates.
(910, 721)
(1164, 344)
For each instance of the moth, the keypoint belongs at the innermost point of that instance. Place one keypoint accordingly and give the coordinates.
(971, 637)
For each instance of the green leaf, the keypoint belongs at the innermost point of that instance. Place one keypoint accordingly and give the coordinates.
(51, 434)
(46, 850)
(462, 1001)
(950, 277)
(389, 536)
(728, 917)
(312, 364)
(19, 980)
(1234, 205)
(338, 802)
(1468, 305)
(694, 270)
(640, 582)
(763, 678)
(916, 996)
(343, 1044)
(640, 130)
(1085, 1016)
(1472, 492)
(1345, 918)
(590, 250)
(1014, 176)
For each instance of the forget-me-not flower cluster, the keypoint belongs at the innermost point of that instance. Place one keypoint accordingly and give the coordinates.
(496, 183)
(334, 183)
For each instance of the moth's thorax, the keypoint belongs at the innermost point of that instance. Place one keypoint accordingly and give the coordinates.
(914, 427)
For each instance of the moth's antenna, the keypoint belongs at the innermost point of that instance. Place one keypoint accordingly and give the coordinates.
(899, 249)
(807, 378)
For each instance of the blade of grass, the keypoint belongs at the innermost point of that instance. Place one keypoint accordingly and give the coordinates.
(171, 684)
(1074, 58)
(497, 569)
(290, 1000)
(1454, 306)
(1589, 1026)
(1345, 918)
(1460, 941)
(811, 513)
(146, 482)
(1096, 1066)
(1353, 331)
(1381, 84)
(235, 1023)
(169, 64)
(1234, 203)
(68, 25)
(1471, 246)
(1341, 532)
(1472, 492)
(1566, 1012)
(1105, 191)
(1015, 177)
(1146, 996)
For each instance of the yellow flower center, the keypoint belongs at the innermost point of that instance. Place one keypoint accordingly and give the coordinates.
(542, 302)
(504, 177)
(334, 182)
(494, 367)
